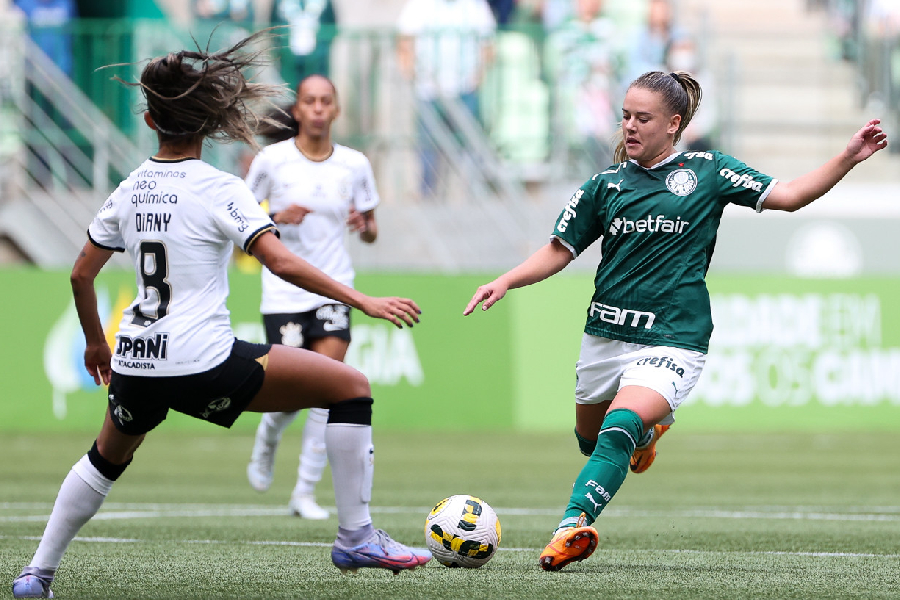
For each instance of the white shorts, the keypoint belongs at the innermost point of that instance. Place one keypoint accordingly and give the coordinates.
(605, 366)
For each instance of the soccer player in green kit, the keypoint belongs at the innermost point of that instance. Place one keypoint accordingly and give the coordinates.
(649, 322)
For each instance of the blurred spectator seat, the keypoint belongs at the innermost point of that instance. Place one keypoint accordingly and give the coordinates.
(515, 105)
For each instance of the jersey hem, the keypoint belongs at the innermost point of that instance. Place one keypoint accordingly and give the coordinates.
(646, 341)
(255, 236)
(101, 246)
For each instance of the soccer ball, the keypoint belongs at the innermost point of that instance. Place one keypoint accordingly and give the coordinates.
(462, 531)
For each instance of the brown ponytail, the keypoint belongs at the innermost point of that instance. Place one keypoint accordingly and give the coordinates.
(193, 94)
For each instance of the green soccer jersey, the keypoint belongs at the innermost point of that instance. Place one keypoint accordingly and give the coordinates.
(659, 230)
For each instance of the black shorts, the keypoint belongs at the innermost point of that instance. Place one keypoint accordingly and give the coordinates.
(300, 329)
(138, 404)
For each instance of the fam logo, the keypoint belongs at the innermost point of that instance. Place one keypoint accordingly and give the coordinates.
(681, 182)
(64, 346)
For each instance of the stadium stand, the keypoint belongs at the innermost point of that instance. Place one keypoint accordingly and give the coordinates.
(785, 100)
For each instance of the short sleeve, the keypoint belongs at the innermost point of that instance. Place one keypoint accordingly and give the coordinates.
(238, 215)
(258, 178)
(739, 184)
(365, 194)
(578, 225)
(105, 230)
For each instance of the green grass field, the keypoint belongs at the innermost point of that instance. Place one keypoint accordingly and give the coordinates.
(718, 516)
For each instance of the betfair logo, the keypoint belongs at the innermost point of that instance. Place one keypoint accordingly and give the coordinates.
(651, 224)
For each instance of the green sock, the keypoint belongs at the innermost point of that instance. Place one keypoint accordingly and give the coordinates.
(605, 470)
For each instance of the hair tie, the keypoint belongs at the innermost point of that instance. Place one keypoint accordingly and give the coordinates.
(675, 76)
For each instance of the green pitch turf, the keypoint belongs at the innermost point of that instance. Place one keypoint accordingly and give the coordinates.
(718, 516)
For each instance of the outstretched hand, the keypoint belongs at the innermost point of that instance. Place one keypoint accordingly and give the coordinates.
(867, 141)
(489, 294)
(396, 310)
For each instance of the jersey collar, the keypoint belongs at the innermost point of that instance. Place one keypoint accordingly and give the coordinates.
(664, 161)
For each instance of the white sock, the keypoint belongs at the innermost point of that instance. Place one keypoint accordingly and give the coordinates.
(273, 424)
(82, 493)
(313, 456)
(352, 458)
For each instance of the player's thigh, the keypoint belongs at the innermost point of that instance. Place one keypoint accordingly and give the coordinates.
(332, 347)
(115, 446)
(297, 378)
(651, 406)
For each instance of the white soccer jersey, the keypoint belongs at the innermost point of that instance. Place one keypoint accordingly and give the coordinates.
(177, 220)
(330, 188)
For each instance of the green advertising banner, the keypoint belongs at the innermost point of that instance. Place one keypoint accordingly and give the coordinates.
(787, 354)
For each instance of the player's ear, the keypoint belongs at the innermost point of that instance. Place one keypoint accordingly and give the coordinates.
(674, 124)
(149, 120)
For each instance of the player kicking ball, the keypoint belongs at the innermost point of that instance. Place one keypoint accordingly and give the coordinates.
(177, 217)
(649, 322)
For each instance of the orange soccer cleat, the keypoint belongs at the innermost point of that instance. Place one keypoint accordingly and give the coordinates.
(568, 545)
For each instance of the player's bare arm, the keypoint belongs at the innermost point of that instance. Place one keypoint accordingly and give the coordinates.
(269, 250)
(97, 354)
(547, 261)
(794, 195)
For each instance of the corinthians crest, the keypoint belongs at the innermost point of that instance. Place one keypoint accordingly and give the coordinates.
(681, 182)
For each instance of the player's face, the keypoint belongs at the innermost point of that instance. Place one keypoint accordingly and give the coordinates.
(647, 127)
(316, 107)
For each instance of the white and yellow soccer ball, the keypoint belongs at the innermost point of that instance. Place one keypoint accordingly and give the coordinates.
(462, 531)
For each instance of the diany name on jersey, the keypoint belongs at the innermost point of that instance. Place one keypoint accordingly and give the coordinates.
(152, 221)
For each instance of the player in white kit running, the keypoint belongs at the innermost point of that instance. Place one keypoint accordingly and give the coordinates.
(315, 189)
(178, 217)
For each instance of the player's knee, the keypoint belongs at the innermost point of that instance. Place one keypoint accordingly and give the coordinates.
(354, 411)
(585, 445)
(357, 386)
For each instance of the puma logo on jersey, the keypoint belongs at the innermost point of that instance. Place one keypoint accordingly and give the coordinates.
(615, 186)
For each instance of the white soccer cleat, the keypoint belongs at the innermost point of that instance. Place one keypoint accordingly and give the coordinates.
(30, 585)
(304, 505)
(261, 469)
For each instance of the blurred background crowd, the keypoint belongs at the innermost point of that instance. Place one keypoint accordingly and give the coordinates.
(481, 105)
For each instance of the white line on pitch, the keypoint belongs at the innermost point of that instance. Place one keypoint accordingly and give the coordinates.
(107, 540)
(117, 511)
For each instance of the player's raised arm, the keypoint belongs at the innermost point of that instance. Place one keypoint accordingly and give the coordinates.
(269, 250)
(794, 195)
(546, 261)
